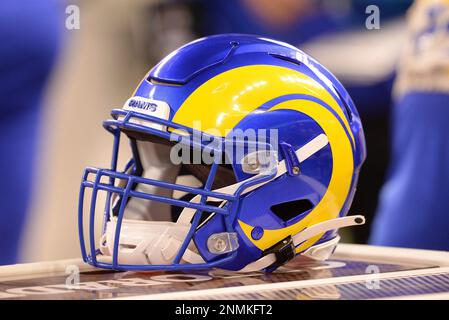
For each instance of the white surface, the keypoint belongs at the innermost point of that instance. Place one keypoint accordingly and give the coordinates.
(209, 293)
(343, 251)
(40, 269)
(436, 262)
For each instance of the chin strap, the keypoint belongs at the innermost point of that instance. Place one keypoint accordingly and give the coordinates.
(285, 249)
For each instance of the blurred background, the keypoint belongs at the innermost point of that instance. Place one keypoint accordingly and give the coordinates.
(60, 79)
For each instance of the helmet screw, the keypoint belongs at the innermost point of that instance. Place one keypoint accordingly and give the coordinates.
(254, 165)
(257, 233)
(220, 245)
(295, 170)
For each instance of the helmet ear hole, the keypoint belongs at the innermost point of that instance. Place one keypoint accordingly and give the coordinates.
(291, 209)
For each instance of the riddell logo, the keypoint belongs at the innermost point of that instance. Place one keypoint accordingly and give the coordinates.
(144, 105)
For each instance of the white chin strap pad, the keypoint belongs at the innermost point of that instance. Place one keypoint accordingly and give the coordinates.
(144, 242)
(317, 252)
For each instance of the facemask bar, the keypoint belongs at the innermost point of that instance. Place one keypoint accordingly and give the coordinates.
(115, 127)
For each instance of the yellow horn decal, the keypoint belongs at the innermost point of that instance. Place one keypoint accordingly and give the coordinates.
(342, 170)
(224, 100)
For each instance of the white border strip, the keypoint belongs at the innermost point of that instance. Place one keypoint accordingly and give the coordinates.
(430, 296)
(377, 254)
(40, 269)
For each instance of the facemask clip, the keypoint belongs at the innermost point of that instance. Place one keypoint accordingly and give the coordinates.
(224, 242)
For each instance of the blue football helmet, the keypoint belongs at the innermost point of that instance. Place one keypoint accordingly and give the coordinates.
(245, 153)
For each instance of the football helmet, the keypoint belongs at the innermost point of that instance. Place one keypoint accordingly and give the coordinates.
(245, 152)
